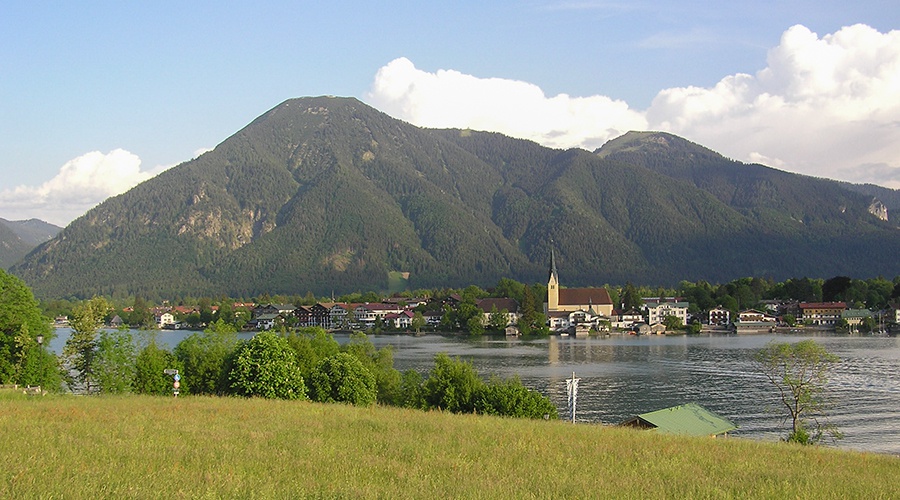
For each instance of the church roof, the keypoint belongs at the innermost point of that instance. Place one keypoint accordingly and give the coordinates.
(581, 296)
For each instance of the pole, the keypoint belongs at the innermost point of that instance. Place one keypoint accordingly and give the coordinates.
(572, 391)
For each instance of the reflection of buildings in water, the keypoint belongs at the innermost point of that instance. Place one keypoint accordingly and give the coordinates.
(553, 350)
(563, 350)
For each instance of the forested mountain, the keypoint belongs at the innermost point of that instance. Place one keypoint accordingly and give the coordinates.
(17, 238)
(327, 194)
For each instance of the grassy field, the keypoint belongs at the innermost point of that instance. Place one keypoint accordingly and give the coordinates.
(196, 447)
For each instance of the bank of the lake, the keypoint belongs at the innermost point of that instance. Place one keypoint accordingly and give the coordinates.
(622, 376)
(141, 446)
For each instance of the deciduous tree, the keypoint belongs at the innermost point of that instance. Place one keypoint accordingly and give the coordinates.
(800, 373)
(81, 346)
(343, 378)
(22, 359)
(266, 366)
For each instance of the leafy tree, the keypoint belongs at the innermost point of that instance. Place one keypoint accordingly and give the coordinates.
(22, 359)
(631, 299)
(509, 398)
(529, 318)
(800, 373)
(140, 314)
(789, 320)
(412, 392)
(452, 385)
(226, 311)
(475, 325)
(343, 378)
(312, 345)
(673, 323)
(380, 362)
(266, 366)
(150, 364)
(113, 363)
(418, 321)
(509, 288)
(206, 357)
(80, 348)
(498, 320)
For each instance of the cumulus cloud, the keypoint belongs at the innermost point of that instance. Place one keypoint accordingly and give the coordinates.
(81, 184)
(827, 106)
(449, 98)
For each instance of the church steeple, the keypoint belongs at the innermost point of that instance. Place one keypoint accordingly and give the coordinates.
(553, 275)
(552, 283)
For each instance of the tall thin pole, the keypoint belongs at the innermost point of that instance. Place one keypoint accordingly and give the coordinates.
(572, 391)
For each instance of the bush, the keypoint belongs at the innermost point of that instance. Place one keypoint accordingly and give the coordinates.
(266, 366)
(452, 385)
(342, 378)
(510, 398)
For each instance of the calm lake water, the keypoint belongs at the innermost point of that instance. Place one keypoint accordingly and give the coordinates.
(622, 376)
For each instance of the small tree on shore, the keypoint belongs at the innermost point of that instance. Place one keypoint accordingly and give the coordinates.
(81, 346)
(800, 373)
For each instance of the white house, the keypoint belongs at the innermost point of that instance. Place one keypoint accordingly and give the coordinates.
(659, 310)
(165, 319)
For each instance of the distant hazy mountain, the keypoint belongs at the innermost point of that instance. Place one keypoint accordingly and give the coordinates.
(327, 194)
(17, 238)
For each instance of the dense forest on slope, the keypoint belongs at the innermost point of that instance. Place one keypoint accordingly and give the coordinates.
(329, 195)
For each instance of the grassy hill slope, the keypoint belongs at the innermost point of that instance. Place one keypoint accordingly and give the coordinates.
(89, 447)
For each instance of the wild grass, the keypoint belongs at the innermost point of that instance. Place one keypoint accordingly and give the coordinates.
(198, 447)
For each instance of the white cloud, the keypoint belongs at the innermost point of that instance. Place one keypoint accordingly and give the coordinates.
(81, 184)
(449, 98)
(827, 106)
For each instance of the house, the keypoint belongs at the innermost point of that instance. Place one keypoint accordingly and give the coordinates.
(719, 316)
(658, 328)
(753, 321)
(625, 320)
(265, 321)
(754, 315)
(403, 319)
(592, 303)
(165, 319)
(433, 318)
(658, 309)
(690, 419)
(367, 314)
(511, 306)
(319, 315)
(855, 317)
(339, 316)
(304, 316)
(274, 309)
(821, 313)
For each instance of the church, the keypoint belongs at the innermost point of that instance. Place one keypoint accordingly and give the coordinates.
(571, 307)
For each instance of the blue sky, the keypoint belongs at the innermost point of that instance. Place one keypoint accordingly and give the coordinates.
(97, 96)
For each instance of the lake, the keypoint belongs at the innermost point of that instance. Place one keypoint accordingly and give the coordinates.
(622, 376)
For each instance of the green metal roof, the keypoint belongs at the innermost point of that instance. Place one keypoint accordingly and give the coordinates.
(690, 419)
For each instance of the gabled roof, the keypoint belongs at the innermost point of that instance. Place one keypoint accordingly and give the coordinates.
(582, 296)
(511, 305)
(690, 419)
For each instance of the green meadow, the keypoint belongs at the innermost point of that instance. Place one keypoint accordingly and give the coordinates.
(205, 447)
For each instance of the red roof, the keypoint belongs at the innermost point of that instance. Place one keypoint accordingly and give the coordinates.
(823, 305)
(583, 296)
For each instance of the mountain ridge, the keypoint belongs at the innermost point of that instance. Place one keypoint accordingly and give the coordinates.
(328, 194)
(19, 237)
